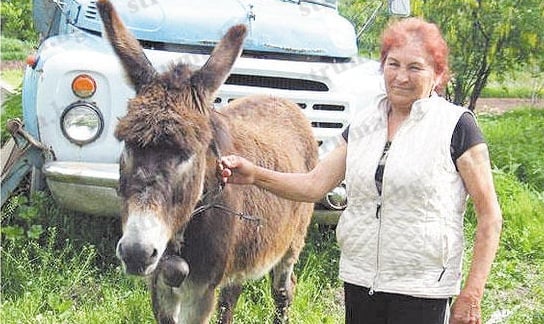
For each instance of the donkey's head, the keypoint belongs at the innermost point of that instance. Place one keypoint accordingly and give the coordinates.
(167, 134)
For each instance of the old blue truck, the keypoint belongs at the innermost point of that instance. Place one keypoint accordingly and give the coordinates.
(74, 88)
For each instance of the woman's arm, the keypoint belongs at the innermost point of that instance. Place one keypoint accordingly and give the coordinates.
(475, 169)
(307, 187)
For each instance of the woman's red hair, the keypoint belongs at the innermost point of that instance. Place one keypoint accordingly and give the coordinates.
(402, 31)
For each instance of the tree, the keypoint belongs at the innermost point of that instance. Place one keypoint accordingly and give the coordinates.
(493, 36)
(369, 17)
(16, 19)
(485, 37)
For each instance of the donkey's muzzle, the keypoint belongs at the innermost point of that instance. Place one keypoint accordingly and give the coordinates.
(138, 258)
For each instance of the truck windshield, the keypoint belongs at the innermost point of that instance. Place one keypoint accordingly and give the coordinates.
(326, 3)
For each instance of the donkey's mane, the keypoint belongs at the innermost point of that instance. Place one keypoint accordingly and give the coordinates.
(168, 115)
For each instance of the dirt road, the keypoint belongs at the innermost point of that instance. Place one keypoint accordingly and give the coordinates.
(500, 105)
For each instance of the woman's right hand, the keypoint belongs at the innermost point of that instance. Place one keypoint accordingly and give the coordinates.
(237, 170)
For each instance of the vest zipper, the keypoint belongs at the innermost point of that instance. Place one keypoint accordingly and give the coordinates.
(379, 205)
(379, 218)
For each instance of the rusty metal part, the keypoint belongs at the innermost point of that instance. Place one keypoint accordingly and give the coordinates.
(19, 156)
(15, 127)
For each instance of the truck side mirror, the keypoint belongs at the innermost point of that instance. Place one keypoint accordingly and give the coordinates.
(399, 7)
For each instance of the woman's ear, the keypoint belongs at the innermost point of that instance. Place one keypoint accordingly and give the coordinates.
(437, 81)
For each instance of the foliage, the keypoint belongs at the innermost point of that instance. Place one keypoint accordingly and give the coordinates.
(11, 108)
(525, 81)
(12, 49)
(515, 288)
(21, 219)
(513, 141)
(69, 274)
(369, 19)
(49, 283)
(521, 206)
(59, 266)
(485, 37)
(17, 20)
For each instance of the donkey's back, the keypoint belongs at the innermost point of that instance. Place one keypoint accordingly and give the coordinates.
(256, 232)
(272, 133)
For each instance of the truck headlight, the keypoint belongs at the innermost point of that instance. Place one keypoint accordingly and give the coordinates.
(336, 199)
(82, 122)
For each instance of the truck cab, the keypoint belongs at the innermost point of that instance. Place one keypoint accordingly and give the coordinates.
(75, 89)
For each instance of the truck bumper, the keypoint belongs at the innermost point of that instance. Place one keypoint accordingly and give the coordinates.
(92, 188)
(84, 187)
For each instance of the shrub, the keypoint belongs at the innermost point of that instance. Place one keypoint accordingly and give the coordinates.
(17, 19)
(13, 49)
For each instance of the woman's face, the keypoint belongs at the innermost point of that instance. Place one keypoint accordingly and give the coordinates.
(409, 74)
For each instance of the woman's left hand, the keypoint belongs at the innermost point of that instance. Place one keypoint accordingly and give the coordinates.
(466, 310)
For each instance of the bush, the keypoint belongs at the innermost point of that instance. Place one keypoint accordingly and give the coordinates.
(13, 49)
(17, 20)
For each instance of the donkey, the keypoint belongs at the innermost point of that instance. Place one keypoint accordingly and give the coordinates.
(182, 227)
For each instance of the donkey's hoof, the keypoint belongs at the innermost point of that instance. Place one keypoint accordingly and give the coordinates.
(173, 271)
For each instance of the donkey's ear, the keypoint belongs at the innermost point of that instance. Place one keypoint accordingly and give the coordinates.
(216, 70)
(126, 47)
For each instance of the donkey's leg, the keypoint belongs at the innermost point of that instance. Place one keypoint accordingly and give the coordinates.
(227, 302)
(284, 280)
(197, 304)
(283, 287)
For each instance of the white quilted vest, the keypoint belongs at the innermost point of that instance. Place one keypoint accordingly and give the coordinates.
(414, 244)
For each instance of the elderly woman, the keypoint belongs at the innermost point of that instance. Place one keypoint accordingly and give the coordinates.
(409, 161)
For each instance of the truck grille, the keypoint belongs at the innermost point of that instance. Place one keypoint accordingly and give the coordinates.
(276, 83)
(91, 12)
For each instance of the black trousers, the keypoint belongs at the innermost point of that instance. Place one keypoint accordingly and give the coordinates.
(386, 308)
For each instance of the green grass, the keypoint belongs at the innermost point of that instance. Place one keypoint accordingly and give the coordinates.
(516, 283)
(48, 284)
(516, 139)
(515, 287)
(12, 77)
(11, 108)
(66, 280)
(522, 84)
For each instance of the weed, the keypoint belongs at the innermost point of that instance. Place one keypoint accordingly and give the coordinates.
(11, 108)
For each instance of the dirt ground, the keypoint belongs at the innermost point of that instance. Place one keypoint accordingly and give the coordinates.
(500, 105)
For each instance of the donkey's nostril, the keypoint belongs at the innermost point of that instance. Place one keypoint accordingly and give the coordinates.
(137, 257)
